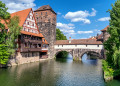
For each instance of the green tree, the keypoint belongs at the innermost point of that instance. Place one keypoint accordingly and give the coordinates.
(112, 45)
(4, 15)
(14, 31)
(60, 35)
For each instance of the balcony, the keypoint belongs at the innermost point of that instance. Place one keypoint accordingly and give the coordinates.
(33, 41)
(31, 50)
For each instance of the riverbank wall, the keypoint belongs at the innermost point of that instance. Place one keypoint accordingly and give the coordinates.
(19, 59)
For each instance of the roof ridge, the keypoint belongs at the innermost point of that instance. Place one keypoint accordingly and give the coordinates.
(21, 10)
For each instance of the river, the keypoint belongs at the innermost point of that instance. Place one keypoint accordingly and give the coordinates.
(56, 73)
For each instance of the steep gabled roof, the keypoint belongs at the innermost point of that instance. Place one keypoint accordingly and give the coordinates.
(22, 15)
(105, 29)
(45, 7)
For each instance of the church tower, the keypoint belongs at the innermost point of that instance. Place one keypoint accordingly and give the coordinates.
(46, 21)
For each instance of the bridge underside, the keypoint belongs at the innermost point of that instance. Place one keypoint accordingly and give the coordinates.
(78, 53)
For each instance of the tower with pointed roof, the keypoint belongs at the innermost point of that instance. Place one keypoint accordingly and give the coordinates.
(46, 21)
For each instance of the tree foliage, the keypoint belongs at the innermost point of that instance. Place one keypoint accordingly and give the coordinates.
(14, 31)
(7, 38)
(60, 35)
(112, 45)
(4, 15)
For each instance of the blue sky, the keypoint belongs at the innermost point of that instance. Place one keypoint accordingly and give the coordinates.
(76, 18)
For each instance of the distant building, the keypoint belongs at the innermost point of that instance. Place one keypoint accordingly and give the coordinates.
(105, 33)
(32, 44)
(46, 21)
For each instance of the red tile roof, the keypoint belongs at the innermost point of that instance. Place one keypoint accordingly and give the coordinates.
(105, 29)
(22, 15)
(32, 34)
(78, 41)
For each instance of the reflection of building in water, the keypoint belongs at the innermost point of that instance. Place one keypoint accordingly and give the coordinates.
(35, 73)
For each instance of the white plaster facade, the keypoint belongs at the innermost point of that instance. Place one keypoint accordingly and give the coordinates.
(78, 46)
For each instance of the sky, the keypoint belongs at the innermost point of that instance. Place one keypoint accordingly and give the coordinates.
(78, 19)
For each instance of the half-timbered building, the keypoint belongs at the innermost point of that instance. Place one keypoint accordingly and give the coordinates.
(32, 45)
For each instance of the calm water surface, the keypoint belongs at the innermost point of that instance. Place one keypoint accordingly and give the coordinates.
(60, 72)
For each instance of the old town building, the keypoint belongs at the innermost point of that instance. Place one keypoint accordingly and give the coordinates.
(105, 33)
(32, 45)
(46, 21)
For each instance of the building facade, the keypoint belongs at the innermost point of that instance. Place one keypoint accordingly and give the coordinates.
(105, 33)
(32, 45)
(46, 21)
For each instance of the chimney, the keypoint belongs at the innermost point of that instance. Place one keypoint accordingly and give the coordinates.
(69, 39)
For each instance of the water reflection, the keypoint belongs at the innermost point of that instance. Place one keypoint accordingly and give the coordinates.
(68, 59)
(55, 73)
(87, 61)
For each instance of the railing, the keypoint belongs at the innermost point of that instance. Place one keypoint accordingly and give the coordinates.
(33, 41)
(30, 49)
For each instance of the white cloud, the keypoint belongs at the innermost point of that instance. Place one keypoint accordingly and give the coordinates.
(17, 5)
(84, 32)
(80, 16)
(65, 26)
(93, 13)
(86, 21)
(89, 32)
(67, 29)
(104, 19)
(58, 13)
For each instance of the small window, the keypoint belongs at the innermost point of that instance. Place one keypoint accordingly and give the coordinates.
(36, 14)
(46, 13)
(41, 13)
(25, 45)
(58, 45)
(86, 45)
(33, 25)
(28, 23)
(39, 45)
(97, 45)
(62, 45)
(24, 29)
(75, 45)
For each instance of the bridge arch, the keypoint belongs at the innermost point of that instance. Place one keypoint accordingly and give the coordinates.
(69, 51)
(91, 52)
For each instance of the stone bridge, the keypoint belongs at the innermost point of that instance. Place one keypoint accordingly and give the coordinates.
(77, 48)
(78, 53)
